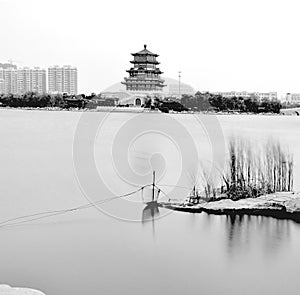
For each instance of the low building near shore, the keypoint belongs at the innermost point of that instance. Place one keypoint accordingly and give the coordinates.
(292, 98)
(258, 95)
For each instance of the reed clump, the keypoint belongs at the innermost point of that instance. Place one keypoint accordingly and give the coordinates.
(252, 171)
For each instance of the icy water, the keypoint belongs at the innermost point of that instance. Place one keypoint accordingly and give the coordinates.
(98, 252)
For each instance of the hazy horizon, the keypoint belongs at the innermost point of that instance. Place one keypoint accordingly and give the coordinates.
(218, 45)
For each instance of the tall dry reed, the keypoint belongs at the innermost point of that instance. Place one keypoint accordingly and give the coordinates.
(253, 170)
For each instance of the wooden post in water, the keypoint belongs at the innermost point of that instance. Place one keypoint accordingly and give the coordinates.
(153, 187)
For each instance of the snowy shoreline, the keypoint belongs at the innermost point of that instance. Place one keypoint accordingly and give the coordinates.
(283, 205)
(8, 290)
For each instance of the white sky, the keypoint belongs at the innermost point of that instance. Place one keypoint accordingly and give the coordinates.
(219, 45)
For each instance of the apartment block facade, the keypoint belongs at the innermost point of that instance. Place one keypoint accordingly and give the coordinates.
(19, 81)
(62, 79)
(8, 80)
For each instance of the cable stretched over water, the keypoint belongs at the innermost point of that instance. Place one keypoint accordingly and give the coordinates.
(37, 216)
(176, 186)
(162, 192)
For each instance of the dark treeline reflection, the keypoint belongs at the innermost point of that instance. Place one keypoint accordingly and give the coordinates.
(243, 232)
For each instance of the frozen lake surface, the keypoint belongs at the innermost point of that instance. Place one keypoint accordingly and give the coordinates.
(90, 251)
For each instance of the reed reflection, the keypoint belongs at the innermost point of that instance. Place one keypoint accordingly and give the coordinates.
(243, 232)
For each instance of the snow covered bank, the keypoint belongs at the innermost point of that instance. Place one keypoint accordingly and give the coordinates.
(7, 290)
(280, 205)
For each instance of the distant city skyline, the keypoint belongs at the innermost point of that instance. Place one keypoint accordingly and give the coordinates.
(218, 45)
(56, 79)
(64, 79)
(74, 88)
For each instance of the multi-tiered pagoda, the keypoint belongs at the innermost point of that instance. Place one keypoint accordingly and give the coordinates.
(144, 76)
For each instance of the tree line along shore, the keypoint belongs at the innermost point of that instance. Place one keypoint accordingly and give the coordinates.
(200, 102)
(208, 101)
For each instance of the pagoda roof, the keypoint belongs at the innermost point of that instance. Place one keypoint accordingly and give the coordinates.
(145, 62)
(145, 51)
(155, 71)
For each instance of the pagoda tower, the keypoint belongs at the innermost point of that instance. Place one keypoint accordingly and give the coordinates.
(144, 76)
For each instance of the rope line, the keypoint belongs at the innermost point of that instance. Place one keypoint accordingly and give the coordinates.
(172, 185)
(41, 215)
(160, 190)
(36, 216)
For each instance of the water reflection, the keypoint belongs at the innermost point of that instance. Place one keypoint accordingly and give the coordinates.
(244, 232)
(150, 213)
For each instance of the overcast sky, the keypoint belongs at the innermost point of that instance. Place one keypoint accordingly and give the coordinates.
(219, 45)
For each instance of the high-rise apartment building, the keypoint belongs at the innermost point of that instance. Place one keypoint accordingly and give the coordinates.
(32, 80)
(62, 79)
(1, 85)
(9, 78)
(38, 80)
(19, 81)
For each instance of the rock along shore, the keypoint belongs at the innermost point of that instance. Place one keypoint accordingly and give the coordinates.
(284, 205)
